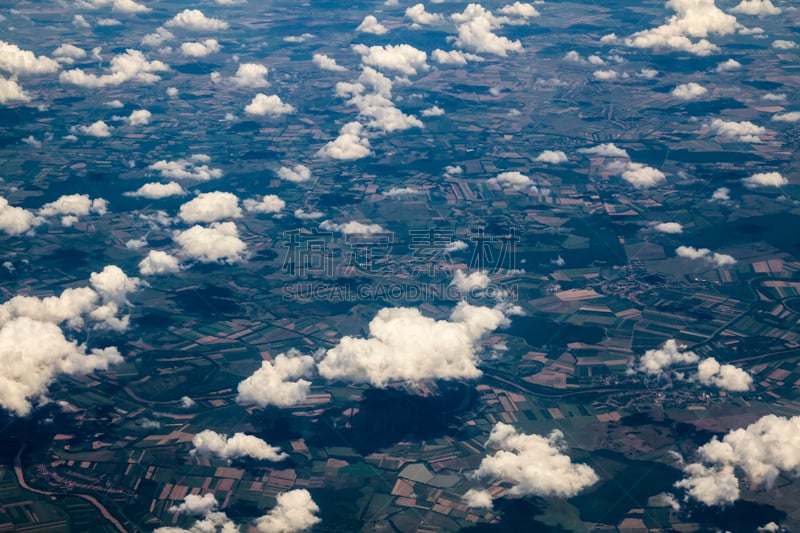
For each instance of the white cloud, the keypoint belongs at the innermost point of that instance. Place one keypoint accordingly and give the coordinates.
(669, 227)
(513, 180)
(268, 105)
(689, 91)
(251, 75)
(327, 63)
(604, 75)
(210, 207)
(295, 511)
(642, 176)
(212, 522)
(33, 353)
(605, 150)
(418, 15)
(780, 44)
(278, 382)
(744, 131)
(194, 19)
(95, 129)
(520, 9)
(402, 58)
(79, 21)
(68, 53)
(16, 220)
(158, 262)
(402, 192)
(453, 57)
(139, 117)
(693, 19)
(72, 206)
(404, 345)
(647, 73)
(761, 451)
(478, 499)
(718, 260)
(16, 61)
(723, 376)
(195, 168)
(295, 174)
(730, 64)
(211, 443)
(129, 6)
(155, 191)
(475, 25)
(765, 179)
(371, 25)
(11, 91)
(218, 243)
(351, 144)
(196, 505)
(434, 111)
(722, 194)
(269, 203)
(534, 465)
(553, 157)
(352, 227)
(301, 214)
(466, 284)
(200, 48)
(654, 362)
(756, 7)
(130, 66)
(157, 38)
(792, 116)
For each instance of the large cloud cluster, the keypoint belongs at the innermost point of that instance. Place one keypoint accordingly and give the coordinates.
(17, 61)
(71, 206)
(33, 346)
(655, 361)
(762, 451)
(476, 27)
(278, 382)
(130, 66)
(211, 443)
(533, 465)
(404, 345)
(16, 220)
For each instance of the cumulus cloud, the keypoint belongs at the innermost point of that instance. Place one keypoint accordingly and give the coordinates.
(722, 194)
(377, 105)
(604, 75)
(194, 19)
(723, 376)
(295, 511)
(327, 63)
(278, 382)
(295, 174)
(402, 58)
(200, 48)
(351, 144)
(478, 499)
(122, 6)
(72, 206)
(765, 179)
(605, 150)
(17, 61)
(453, 57)
(251, 75)
(130, 66)
(780, 44)
(719, 260)
(158, 262)
(210, 207)
(155, 190)
(689, 91)
(730, 64)
(195, 168)
(744, 131)
(139, 117)
(196, 505)
(269, 203)
(693, 19)
(520, 9)
(552, 156)
(96, 129)
(371, 25)
(212, 522)
(756, 7)
(654, 362)
(268, 105)
(11, 91)
(420, 16)
(218, 243)
(402, 192)
(466, 283)
(534, 465)
(16, 220)
(513, 180)
(762, 451)
(352, 227)
(668, 227)
(434, 111)
(302, 214)
(475, 32)
(157, 38)
(404, 345)
(792, 116)
(641, 176)
(68, 53)
(211, 443)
